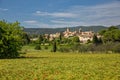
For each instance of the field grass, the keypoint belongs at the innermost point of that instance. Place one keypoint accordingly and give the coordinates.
(45, 65)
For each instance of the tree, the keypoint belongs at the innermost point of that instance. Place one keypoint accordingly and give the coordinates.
(54, 47)
(95, 39)
(60, 37)
(10, 39)
(26, 38)
(40, 39)
(76, 39)
(112, 34)
(37, 47)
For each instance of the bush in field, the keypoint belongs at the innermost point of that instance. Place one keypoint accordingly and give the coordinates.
(37, 47)
(46, 47)
(10, 39)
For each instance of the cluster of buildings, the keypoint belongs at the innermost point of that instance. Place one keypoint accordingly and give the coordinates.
(84, 36)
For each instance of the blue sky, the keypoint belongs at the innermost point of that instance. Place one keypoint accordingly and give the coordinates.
(61, 13)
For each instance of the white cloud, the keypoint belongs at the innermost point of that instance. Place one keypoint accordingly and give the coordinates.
(103, 14)
(69, 23)
(56, 14)
(103, 11)
(2, 9)
(31, 22)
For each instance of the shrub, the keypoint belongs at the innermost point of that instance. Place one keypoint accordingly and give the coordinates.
(37, 47)
(46, 47)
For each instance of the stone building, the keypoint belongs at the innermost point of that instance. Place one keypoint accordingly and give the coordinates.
(83, 36)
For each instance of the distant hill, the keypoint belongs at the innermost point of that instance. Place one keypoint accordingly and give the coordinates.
(54, 30)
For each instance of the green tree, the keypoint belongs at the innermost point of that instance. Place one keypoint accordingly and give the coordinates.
(40, 39)
(112, 34)
(95, 39)
(54, 47)
(38, 47)
(26, 38)
(76, 39)
(60, 37)
(10, 39)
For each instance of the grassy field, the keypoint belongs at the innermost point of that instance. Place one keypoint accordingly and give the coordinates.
(44, 65)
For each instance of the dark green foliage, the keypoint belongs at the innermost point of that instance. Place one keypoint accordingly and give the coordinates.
(100, 41)
(45, 47)
(37, 47)
(112, 28)
(95, 39)
(111, 34)
(60, 37)
(54, 47)
(76, 39)
(10, 39)
(89, 41)
(40, 39)
(26, 38)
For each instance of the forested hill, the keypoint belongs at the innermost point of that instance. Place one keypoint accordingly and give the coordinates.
(54, 30)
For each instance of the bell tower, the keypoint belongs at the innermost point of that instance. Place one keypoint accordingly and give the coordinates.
(68, 30)
(80, 30)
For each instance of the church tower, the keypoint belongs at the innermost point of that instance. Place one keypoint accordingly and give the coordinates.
(80, 30)
(68, 30)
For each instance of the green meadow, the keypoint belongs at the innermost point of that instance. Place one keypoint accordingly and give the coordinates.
(46, 65)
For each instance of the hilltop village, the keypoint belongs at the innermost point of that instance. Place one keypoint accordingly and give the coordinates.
(84, 36)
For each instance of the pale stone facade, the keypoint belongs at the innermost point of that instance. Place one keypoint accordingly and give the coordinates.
(52, 36)
(83, 36)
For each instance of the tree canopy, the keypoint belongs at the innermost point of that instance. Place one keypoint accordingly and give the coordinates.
(112, 34)
(10, 39)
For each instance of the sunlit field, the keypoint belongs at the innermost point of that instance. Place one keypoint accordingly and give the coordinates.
(45, 65)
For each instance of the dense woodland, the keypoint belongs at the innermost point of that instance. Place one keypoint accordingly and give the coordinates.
(13, 38)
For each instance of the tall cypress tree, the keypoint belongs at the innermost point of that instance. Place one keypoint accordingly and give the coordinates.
(54, 47)
(95, 39)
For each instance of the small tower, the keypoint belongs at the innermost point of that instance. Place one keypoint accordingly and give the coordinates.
(80, 30)
(68, 30)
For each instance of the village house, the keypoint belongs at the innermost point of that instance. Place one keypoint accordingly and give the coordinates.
(68, 33)
(53, 36)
